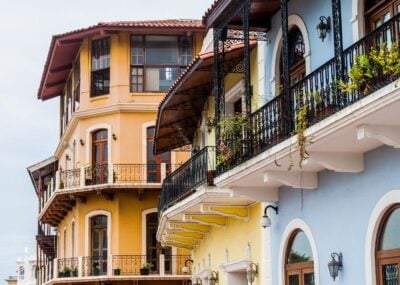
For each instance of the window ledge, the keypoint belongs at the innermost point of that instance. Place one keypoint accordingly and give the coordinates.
(98, 98)
(148, 93)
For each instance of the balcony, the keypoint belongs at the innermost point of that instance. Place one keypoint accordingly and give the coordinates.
(198, 170)
(317, 96)
(105, 178)
(124, 267)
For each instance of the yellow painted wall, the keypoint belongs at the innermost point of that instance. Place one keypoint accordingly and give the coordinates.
(234, 238)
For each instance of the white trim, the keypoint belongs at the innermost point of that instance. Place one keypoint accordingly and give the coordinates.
(234, 266)
(144, 226)
(87, 229)
(387, 200)
(293, 20)
(296, 224)
(88, 142)
(357, 19)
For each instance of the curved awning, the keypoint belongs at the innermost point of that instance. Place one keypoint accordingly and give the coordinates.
(180, 112)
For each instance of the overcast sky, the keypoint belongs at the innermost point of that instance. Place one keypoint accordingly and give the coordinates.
(28, 127)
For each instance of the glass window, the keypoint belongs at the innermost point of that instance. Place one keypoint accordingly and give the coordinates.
(388, 253)
(100, 67)
(299, 264)
(157, 61)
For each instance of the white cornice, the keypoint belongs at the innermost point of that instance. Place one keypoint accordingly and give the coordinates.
(116, 108)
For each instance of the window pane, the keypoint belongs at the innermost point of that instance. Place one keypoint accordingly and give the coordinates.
(160, 79)
(161, 50)
(100, 54)
(186, 50)
(101, 82)
(391, 234)
(309, 279)
(390, 274)
(300, 250)
(294, 280)
(137, 50)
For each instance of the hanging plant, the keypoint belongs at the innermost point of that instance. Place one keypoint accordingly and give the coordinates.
(233, 129)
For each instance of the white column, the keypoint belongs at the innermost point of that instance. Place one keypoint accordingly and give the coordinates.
(58, 180)
(110, 173)
(162, 264)
(109, 265)
(82, 178)
(163, 171)
(55, 267)
(80, 262)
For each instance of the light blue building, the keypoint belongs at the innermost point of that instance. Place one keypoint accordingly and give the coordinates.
(321, 147)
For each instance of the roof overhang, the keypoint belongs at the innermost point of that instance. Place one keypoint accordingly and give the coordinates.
(260, 14)
(64, 48)
(41, 169)
(180, 112)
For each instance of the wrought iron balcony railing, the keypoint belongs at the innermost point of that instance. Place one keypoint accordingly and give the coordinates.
(67, 267)
(116, 174)
(318, 93)
(199, 169)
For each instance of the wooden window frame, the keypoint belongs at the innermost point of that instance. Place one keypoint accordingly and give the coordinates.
(383, 257)
(103, 70)
(181, 66)
(300, 268)
(377, 11)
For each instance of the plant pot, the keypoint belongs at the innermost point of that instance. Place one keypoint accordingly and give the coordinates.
(96, 271)
(210, 177)
(74, 273)
(117, 271)
(144, 271)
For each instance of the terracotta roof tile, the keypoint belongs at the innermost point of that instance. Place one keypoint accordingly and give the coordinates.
(209, 10)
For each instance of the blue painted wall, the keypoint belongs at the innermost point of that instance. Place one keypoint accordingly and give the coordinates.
(338, 213)
(310, 11)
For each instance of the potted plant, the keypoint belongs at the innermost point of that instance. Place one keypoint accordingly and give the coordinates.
(96, 269)
(61, 184)
(145, 270)
(117, 271)
(66, 272)
(74, 272)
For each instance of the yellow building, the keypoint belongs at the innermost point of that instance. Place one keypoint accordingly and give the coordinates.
(220, 225)
(98, 193)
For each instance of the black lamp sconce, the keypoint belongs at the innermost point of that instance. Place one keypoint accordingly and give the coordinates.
(114, 136)
(323, 27)
(335, 264)
(81, 142)
(185, 269)
(265, 220)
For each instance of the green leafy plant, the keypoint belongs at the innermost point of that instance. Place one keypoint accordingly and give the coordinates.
(147, 266)
(231, 135)
(383, 60)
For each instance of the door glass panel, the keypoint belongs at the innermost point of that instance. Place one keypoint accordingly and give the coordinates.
(309, 279)
(294, 280)
(390, 274)
(390, 238)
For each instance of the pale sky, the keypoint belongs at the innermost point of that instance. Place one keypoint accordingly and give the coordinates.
(28, 127)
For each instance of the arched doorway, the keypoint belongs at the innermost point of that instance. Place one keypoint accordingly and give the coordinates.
(99, 156)
(299, 267)
(388, 248)
(99, 244)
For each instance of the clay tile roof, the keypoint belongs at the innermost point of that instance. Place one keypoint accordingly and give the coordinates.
(64, 47)
(209, 10)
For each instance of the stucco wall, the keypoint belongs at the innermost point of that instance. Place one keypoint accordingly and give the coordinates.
(338, 213)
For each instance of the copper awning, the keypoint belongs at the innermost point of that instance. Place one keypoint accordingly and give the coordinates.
(180, 112)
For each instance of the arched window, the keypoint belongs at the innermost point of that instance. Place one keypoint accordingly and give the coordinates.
(99, 244)
(388, 248)
(99, 172)
(297, 62)
(378, 12)
(299, 268)
(73, 239)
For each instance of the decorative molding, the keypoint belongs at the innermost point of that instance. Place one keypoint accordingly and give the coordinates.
(238, 212)
(237, 265)
(388, 135)
(337, 161)
(210, 220)
(295, 179)
(88, 142)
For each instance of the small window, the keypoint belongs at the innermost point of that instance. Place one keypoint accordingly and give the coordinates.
(21, 273)
(100, 67)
